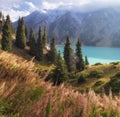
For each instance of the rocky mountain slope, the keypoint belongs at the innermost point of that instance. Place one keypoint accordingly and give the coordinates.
(95, 28)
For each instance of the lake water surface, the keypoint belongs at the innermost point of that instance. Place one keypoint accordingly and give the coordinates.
(98, 54)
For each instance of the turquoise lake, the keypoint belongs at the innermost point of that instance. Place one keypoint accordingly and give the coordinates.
(98, 54)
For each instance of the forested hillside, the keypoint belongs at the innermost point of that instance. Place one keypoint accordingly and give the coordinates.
(36, 81)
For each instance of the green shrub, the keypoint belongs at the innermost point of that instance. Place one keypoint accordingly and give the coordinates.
(113, 67)
(97, 64)
(96, 74)
(72, 76)
(115, 63)
(82, 78)
(113, 84)
(98, 83)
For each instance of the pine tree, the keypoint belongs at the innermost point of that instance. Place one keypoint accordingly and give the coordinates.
(79, 62)
(68, 56)
(1, 21)
(39, 50)
(7, 35)
(45, 38)
(86, 61)
(18, 33)
(53, 51)
(20, 36)
(12, 29)
(32, 43)
(59, 73)
(26, 32)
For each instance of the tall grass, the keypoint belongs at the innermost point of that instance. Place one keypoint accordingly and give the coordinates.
(24, 94)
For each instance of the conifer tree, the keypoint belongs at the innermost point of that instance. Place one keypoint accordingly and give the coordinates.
(86, 61)
(32, 43)
(18, 33)
(1, 21)
(79, 62)
(68, 56)
(12, 29)
(26, 32)
(59, 73)
(45, 38)
(39, 54)
(53, 51)
(7, 35)
(20, 36)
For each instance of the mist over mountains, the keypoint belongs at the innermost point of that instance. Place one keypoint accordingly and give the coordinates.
(94, 28)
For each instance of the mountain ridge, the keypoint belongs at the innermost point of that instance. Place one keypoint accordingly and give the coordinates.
(96, 28)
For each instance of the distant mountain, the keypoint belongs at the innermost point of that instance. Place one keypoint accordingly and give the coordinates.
(101, 28)
(95, 28)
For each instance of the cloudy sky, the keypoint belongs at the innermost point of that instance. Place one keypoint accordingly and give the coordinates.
(16, 8)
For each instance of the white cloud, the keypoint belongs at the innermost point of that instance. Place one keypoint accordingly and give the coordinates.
(83, 5)
(14, 15)
(50, 4)
(47, 5)
(31, 5)
(18, 8)
(54, 5)
(84, 2)
(9, 3)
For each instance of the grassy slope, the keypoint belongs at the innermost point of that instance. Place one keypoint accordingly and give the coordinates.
(109, 70)
(24, 94)
(44, 68)
(24, 54)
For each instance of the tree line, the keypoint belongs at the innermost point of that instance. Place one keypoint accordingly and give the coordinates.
(69, 63)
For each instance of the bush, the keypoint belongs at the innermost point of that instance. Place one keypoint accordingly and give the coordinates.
(98, 83)
(57, 77)
(113, 84)
(82, 78)
(96, 74)
(115, 63)
(113, 67)
(97, 64)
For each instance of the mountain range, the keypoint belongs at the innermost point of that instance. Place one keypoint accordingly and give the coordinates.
(94, 28)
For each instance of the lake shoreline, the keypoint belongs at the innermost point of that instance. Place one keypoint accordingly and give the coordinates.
(104, 55)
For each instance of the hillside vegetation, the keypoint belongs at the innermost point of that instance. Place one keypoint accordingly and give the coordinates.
(24, 94)
(68, 90)
(96, 77)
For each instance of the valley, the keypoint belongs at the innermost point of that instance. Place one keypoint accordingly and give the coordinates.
(59, 59)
